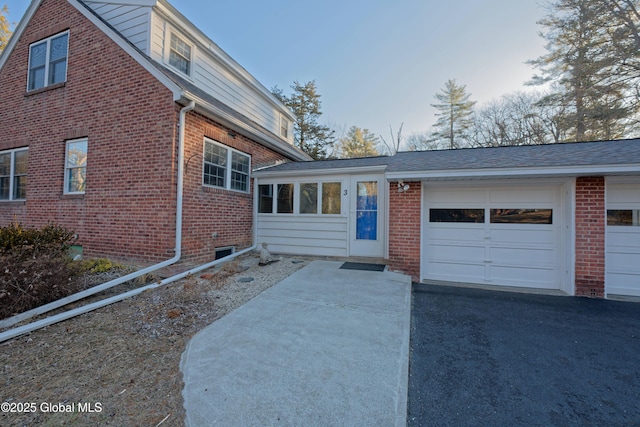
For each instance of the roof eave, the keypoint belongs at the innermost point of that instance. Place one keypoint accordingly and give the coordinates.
(266, 173)
(238, 125)
(519, 172)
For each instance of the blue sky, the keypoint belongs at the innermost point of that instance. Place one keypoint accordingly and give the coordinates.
(375, 62)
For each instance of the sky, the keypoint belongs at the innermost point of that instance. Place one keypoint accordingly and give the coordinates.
(376, 63)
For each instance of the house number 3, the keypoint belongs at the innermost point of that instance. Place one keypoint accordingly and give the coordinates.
(345, 193)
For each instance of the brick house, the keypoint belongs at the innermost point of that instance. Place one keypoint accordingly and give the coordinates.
(126, 124)
(562, 217)
(119, 115)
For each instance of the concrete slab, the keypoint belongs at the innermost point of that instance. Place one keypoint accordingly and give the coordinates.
(323, 347)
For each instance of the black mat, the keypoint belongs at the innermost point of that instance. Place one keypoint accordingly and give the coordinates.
(362, 266)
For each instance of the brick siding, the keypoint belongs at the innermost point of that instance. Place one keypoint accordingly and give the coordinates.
(131, 122)
(590, 231)
(404, 229)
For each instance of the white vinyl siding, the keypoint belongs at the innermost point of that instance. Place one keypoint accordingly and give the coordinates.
(523, 249)
(216, 74)
(622, 265)
(299, 232)
(132, 21)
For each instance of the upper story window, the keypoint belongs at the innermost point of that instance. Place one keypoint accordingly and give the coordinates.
(284, 128)
(75, 171)
(13, 174)
(48, 61)
(180, 54)
(225, 167)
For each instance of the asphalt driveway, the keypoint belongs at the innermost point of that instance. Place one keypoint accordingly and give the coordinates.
(497, 358)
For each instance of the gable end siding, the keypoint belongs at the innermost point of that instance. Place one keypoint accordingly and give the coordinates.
(133, 22)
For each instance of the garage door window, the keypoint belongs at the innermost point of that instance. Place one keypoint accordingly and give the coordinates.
(625, 217)
(456, 215)
(521, 216)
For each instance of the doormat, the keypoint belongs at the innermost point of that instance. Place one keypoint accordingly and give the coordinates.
(362, 266)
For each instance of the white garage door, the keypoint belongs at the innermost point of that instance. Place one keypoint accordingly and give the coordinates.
(622, 274)
(499, 236)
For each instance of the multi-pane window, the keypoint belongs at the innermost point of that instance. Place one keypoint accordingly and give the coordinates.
(225, 167)
(75, 174)
(13, 174)
(180, 54)
(284, 128)
(309, 198)
(48, 61)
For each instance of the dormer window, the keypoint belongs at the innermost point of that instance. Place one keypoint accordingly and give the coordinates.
(180, 54)
(48, 61)
(284, 128)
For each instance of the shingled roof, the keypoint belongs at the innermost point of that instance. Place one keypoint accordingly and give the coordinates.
(601, 154)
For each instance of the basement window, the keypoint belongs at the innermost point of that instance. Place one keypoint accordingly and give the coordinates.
(225, 252)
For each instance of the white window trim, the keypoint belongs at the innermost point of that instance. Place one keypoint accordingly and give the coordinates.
(167, 50)
(283, 121)
(297, 184)
(66, 159)
(46, 62)
(228, 169)
(12, 173)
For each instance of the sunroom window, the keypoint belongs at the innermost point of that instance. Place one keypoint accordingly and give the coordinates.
(48, 61)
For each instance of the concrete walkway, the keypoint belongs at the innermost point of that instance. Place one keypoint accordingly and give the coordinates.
(324, 347)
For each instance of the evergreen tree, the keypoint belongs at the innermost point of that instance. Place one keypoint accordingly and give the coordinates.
(589, 44)
(310, 136)
(454, 116)
(358, 143)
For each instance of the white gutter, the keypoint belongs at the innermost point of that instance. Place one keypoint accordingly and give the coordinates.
(178, 249)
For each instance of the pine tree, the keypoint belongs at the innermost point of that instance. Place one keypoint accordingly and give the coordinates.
(358, 143)
(454, 116)
(310, 136)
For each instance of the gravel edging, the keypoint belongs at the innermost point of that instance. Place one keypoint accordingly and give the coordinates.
(124, 359)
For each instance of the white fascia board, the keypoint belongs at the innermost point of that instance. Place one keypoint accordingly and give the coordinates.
(515, 172)
(147, 3)
(164, 8)
(265, 173)
(17, 33)
(142, 59)
(225, 118)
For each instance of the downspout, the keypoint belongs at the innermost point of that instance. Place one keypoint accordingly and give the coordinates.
(178, 248)
(12, 333)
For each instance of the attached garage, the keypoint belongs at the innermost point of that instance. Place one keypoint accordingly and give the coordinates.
(622, 257)
(494, 235)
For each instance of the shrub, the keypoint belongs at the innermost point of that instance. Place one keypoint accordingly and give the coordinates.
(34, 267)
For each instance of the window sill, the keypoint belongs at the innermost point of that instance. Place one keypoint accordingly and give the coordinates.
(71, 196)
(45, 89)
(13, 202)
(212, 189)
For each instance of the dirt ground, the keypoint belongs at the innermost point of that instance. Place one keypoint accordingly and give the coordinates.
(120, 365)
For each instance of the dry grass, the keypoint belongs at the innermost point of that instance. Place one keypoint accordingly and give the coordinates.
(125, 356)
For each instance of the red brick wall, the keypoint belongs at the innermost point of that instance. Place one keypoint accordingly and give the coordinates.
(131, 122)
(404, 229)
(590, 231)
(209, 210)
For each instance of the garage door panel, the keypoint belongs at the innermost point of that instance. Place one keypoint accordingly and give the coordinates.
(453, 233)
(525, 276)
(512, 252)
(518, 256)
(622, 256)
(534, 234)
(458, 253)
(528, 197)
(463, 272)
